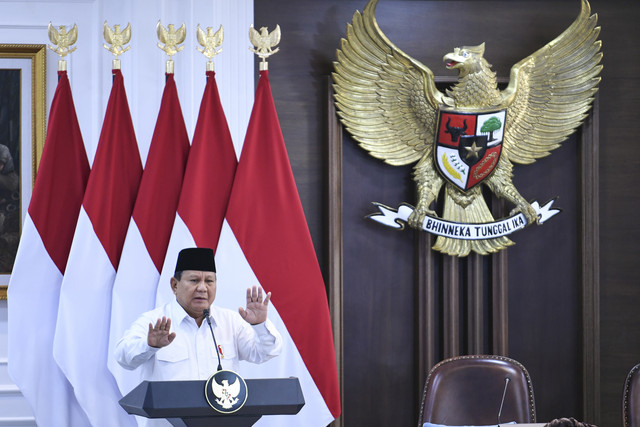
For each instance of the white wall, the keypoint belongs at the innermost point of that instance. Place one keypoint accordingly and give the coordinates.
(143, 67)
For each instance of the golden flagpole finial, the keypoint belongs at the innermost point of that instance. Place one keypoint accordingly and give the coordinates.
(171, 38)
(117, 38)
(210, 42)
(264, 43)
(62, 39)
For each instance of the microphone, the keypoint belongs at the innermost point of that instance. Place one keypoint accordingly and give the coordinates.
(206, 316)
(504, 393)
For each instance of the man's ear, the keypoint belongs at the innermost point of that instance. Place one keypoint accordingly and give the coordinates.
(174, 284)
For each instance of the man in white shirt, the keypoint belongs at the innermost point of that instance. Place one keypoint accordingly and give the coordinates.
(171, 342)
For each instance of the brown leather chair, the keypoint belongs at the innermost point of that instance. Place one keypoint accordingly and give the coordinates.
(467, 390)
(631, 399)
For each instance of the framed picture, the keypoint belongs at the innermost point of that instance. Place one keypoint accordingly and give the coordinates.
(22, 134)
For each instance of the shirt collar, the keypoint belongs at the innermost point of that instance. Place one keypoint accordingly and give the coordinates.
(214, 312)
(178, 314)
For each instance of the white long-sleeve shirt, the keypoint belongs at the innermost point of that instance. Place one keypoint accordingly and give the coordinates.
(192, 353)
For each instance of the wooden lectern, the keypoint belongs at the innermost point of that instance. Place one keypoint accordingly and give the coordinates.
(183, 403)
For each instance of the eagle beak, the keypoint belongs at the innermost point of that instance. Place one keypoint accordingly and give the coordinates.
(449, 62)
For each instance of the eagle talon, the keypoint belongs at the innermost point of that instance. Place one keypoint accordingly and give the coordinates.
(417, 217)
(528, 211)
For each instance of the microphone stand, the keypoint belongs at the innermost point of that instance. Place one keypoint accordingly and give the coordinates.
(206, 316)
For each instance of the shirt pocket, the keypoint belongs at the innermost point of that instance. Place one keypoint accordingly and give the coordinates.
(227, 350)
(172, 363)
(172, 353)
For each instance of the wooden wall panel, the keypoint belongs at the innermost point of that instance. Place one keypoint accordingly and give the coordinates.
(378, 297)
(619, 204)
(311, 33)
(544, 312)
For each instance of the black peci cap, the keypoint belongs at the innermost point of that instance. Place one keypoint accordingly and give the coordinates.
(199, 259)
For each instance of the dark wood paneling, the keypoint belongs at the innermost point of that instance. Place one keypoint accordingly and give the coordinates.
(619, 202)
(311, 33)
(544, 312)
(426, 301)
(334, 231)
(476, 302)
(620, 234)
(378, 297)
(500, 316)
(589, 277)
(451, 307)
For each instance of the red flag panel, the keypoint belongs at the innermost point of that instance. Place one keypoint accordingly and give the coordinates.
(159, 190)
(115, 176)
(62, 178)
(210, 170)
(267, 219)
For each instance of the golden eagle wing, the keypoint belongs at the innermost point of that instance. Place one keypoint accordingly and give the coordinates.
(201, 36)
(53, 34)
(254, 36)
(107, 32)
(181, 34)
(218, 37)
(73, 35)
(386, 99)
(162, 33)
(274, 36)
(550, 92)
(126, 34)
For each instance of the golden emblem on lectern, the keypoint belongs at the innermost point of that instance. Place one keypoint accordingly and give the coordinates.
(471, 134)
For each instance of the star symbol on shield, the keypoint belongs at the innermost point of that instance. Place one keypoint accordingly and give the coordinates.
(473, 150)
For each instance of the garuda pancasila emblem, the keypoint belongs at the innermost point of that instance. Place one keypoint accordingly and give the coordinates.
(227, 394)
(473, 132)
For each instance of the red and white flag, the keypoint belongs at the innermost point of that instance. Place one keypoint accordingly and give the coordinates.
(34, 289)
(205, 190)
(268, 243)
(82, 330)
(134, 289)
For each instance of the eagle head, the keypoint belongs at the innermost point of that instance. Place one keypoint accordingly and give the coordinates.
(466, 59)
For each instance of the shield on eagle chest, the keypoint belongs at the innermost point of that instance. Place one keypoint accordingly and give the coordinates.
(468, 146)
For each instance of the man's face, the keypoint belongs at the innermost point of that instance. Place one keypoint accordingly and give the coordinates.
(195, 291)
